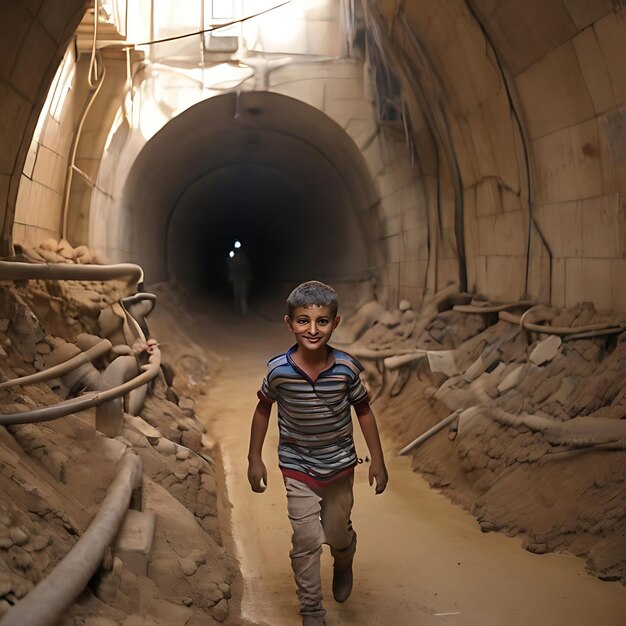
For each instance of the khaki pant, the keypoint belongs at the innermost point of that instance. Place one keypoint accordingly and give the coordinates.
(318, 516)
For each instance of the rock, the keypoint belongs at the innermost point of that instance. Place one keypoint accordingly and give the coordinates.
(390, 319)
(5, 584)
(133, 544)
(512, 378)
(188, 566)
(4, 607)
(18, 536)
(4, 325)
(197, 556)
(27, 332)
(140, 425)
(65, 249)
(5, 541)
(565, 391)
(43, 348)
(83, 255)
(404, 305)
(166, 447)
(187, 601)
(181, 473)
(39, 542)
(545, 350)
(488, 357)
(52, 257)
(220, 610)
(3, 352)
(442, 361)
(216, 595)
(186, 404)
(21, 559)
(182, 453)
(225, 589)
(50, 244)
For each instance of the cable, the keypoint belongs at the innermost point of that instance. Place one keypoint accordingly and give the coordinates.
(92, 76)
(531, 218)
(210, 29)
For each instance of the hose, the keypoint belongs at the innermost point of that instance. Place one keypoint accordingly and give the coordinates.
(573, 331)
(46, 604)
(491, 308)
(430, 432)
(101, 348)
(15, 270)
(87, 400)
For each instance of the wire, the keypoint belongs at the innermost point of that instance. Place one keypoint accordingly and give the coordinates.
(532, 221)
(211, 28)
(92, 76)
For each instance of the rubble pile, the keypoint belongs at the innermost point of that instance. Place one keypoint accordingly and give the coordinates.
(48, 498)
(537, 441)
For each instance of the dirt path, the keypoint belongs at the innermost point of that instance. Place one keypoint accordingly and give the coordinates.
(421, 560)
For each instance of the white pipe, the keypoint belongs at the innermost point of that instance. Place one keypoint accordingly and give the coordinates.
(430, 432)
(101, 348)
(12, 270)
(561, 330)
(46, 604)
(394, 362)
(491, 308)
(87, 400)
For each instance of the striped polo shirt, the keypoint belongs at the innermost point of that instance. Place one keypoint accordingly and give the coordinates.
(314, 418)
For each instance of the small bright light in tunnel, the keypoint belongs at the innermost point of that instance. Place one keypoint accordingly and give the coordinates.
(237, 244)
(231, 254)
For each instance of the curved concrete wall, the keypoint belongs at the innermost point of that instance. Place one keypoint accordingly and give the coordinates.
(512, 83)
(511, 105)
(268, 169)
(33, 38)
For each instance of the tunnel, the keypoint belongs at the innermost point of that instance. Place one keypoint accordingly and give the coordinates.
(455, 170)
(265, 169)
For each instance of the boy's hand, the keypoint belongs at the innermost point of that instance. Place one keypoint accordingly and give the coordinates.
(378, 473)
(257, 475)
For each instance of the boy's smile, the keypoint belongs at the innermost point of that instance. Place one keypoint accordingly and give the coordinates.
(312, 326)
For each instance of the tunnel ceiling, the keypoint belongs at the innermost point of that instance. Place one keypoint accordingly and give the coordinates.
(263, 167)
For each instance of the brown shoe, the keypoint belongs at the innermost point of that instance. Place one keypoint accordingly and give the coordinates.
(342, 571)
(313, 620)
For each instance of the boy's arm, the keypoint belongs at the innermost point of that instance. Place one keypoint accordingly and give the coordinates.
(257, 472)
(378, 471)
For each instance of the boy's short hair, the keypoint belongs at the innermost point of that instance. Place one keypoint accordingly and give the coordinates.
(312, 293)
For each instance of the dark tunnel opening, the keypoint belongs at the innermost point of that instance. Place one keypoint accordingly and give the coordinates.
(258, 206)
(274, 173)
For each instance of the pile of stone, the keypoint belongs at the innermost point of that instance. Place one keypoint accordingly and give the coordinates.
(58, 251)
(537, 437)
(53, 475)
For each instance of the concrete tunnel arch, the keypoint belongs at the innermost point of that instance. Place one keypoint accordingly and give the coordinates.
(270, 170)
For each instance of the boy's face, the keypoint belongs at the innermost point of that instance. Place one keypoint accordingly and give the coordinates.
(312, 326)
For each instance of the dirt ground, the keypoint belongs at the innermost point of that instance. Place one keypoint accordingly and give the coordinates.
(422, 559)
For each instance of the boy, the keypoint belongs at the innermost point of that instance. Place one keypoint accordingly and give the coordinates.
(314, 386)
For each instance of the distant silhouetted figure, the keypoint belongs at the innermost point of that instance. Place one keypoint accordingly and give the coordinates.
(240, 276)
